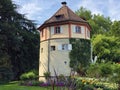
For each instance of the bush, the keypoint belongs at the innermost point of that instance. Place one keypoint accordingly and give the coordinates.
(116, 74)
(28, 76)
(47, 75)
(106, 69)
(100, 70)
(94, 71)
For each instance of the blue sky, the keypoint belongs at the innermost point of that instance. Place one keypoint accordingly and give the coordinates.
(41, 10)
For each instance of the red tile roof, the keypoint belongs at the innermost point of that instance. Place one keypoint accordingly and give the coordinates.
(64, 14)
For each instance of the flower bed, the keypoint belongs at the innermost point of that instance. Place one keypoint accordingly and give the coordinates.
(95, 84)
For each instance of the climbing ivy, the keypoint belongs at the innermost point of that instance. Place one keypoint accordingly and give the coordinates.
(80, 53)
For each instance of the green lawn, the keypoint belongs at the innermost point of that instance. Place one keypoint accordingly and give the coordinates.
(16, 86)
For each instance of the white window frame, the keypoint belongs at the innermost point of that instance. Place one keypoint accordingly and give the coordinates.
(65, 47)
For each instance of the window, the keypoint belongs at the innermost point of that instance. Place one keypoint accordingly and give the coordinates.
(78, 29)
(59, 17)
(41, 50)
(57, 30)
(52, 48)
(65, 47)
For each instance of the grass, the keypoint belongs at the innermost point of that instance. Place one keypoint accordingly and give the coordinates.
(15, 86)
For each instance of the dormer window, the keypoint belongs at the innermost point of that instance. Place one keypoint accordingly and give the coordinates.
(59, 16)
(78, 29)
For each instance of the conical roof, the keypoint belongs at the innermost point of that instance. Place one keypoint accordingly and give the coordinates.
(64, 14)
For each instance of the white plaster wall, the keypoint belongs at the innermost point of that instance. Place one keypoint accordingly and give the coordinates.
(77, 35)
(64, 34)
(43, 60)
(59, 57)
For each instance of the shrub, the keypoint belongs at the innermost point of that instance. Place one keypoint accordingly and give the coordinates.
(28, 76)
(116, 74)
(106, 69)
(47, 75)
(93, 71)
(100, 70)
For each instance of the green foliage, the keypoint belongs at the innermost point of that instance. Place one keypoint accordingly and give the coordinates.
(103, 23)
(19, 40)
(28, 76)
(84, 13)
(116, 75)
(98, 23)
(100, 70)
(80, 54)
(107, 48)
(115, 29)
(47, 75)
(106, 69)
(93, 71)
(93, 84)
(105, 35)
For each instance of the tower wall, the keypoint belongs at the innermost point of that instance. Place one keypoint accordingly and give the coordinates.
(58, 60)
(43, 60)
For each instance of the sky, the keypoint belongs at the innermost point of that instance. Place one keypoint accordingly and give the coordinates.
(41, 10)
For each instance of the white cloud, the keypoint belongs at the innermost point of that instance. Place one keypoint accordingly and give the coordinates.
(109, 8)
(91, 5)
(30, 9)
(41, 10)
(114, 9)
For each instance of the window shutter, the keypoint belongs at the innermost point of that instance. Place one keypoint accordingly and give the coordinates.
(69, 46)
(82, 29)
(52, 30)
(61, 29)
(60, 47)
(74, 28)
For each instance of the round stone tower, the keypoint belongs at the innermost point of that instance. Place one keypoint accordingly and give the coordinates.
(55, 46)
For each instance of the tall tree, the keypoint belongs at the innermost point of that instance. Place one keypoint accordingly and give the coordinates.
(99, 23)
(21, 40)
(115, 29)
(84, 13)
(107, 48)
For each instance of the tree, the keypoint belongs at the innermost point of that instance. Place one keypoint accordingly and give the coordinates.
(84, 13)
(99, 23)
(103, 23)
(115, 29)
(19, 38)
(107, 48)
